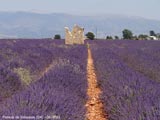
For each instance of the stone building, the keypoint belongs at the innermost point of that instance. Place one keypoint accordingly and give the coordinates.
(76, 36)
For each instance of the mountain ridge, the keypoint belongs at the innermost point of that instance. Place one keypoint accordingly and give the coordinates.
(41, 25)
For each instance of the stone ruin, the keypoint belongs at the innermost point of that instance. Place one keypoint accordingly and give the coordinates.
(76, 36)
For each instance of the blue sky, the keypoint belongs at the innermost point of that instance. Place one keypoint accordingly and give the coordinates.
(142, 8)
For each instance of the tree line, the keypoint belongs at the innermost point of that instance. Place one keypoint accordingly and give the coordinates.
(126, 33)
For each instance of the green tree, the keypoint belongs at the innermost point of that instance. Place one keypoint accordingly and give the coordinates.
(152, 33)
(109, 38)
(90, 35)
(116, 37)
(127, 34)
(57, 36)
(142, 37)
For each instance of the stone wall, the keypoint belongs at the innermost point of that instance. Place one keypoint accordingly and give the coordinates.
(74, 37)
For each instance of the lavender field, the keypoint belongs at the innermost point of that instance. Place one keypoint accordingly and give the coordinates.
(42, 77)
(128, 73)
(45, 77)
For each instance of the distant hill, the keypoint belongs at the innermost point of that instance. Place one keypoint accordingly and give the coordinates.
(35, 25)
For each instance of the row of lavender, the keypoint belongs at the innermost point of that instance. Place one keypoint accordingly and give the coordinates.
(142, 56)
(32, 55)
(61, 91)
(127, 93)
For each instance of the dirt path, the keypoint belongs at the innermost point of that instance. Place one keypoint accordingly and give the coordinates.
(95, 110)
(49, 67)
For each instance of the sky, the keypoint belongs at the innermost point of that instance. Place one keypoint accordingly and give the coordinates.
(140, 8)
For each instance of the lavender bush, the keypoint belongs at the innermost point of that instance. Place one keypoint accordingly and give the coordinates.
(32, 56)
(60, 91)
(142, 56)
(127, 71)
(127, 93)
